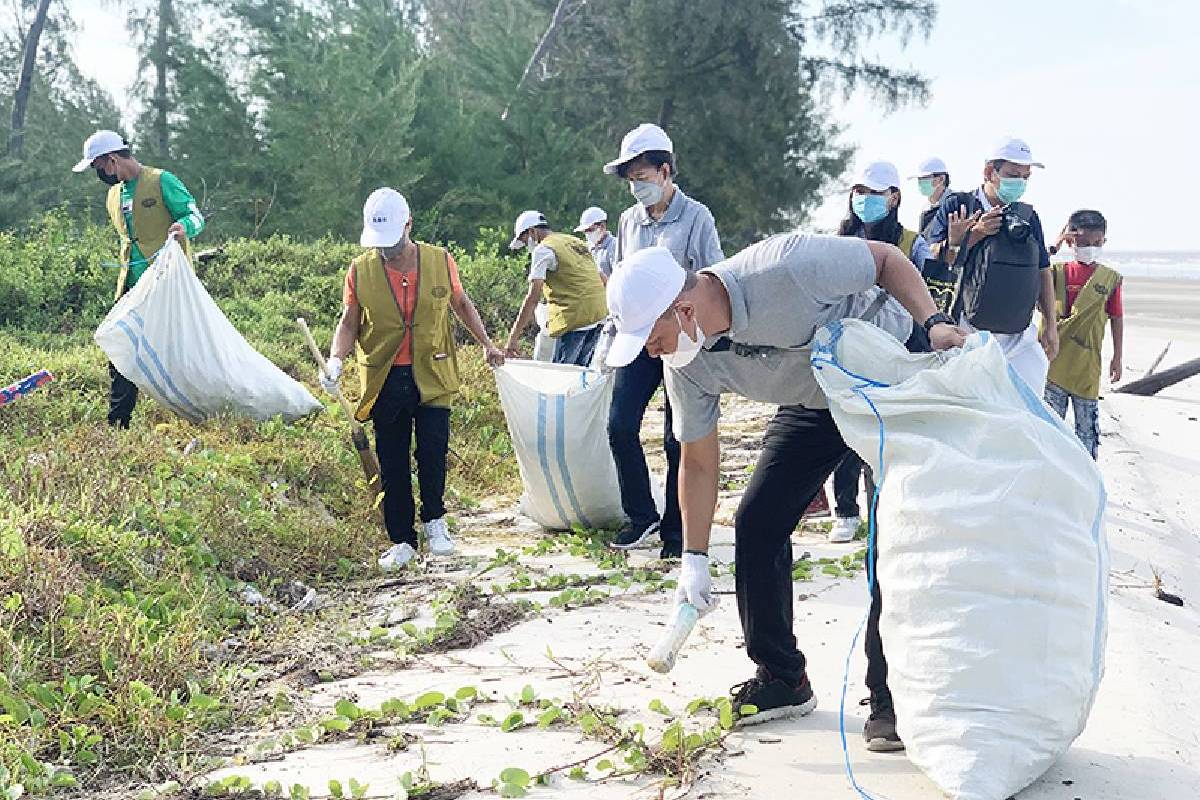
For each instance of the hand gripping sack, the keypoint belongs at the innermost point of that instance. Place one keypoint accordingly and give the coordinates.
(993, 563)
(558, 419)
(168, 337)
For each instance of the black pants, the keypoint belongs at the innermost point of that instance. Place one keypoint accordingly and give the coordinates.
(397, 412)
(122, 397)
(633, 387)
(845, 485)
(801, 448)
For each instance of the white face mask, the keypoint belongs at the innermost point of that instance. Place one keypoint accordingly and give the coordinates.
(646, 192)
(1088, 255)
(686, 348)
(593, 237)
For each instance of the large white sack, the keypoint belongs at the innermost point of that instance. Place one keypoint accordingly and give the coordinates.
(168, 337)
(993, 562)
(558, 419)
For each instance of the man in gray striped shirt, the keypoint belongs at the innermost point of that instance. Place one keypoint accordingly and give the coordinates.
(666, 217)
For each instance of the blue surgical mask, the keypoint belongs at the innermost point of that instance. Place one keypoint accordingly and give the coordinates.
(869, 207)
(925, 186)
(1011, 190)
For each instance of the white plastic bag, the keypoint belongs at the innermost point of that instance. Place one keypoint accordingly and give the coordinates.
(168, 337)
(993, 564)
(558, 419)
(543, 346)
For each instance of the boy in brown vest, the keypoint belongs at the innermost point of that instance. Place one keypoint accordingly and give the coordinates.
(1088, 294)
(147, 206)
(397, 302)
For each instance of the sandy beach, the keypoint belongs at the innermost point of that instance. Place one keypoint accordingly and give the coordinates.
(1142, 741)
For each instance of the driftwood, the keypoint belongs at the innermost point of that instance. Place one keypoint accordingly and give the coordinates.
(1155, 383)
(1158, 360)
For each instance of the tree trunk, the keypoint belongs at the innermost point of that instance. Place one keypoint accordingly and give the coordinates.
(16, 134)
(665, 111)
(161, 53)
(544, 46)
(1153, 384)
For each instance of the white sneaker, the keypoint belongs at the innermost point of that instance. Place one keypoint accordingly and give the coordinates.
(438, 536)
(396, 557)
(843, 529)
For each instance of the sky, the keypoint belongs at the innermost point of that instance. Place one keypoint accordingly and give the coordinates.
(1106, 93)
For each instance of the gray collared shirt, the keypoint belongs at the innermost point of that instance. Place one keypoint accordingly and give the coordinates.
(605, 254)
(686, 228)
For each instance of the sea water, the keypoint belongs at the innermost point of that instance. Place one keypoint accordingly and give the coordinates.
(1153, 263)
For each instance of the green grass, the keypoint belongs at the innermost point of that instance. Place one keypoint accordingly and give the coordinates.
(122, 558)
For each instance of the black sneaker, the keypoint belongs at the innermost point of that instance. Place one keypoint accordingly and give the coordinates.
(672, 550)
(773, 698)
(880, 731)
(632, 536)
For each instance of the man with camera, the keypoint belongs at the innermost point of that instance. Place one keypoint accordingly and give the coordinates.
(997, 250)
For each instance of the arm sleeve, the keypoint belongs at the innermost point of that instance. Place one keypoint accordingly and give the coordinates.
(181, 205)
(705, 247)
(833, 267)
(542, 261)
(695, 412)
(939, 226)
(1116, 304)
(920, 253)
(456, 288)
(348, 296)
(1035, 226)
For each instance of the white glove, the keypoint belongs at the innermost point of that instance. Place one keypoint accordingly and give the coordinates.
(330, 382)
(695, 584)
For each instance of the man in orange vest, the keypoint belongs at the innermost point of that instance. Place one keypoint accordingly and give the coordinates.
(146, 206)
(397, 301)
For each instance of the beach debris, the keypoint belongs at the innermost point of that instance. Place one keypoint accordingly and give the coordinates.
(1158, 360)
(1153, 384)
(1165, 596)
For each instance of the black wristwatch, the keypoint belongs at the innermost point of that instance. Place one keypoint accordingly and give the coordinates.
(936, 319)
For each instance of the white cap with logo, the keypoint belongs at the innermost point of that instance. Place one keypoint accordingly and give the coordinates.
(1016, 151)
(931, 166)
(642, 139)
(525, 221)
(879, 176)
(384, 216)
(641, 289)
(590, 217)
(98, 144)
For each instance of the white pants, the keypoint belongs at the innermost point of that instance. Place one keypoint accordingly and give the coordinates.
(1025, 354)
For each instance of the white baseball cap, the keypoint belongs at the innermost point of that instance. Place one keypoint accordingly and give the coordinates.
(384, 216)
(642, 139)
(98, 144)
(640, 290)
(590, 217)
(525, 221)
(879, 176)
(931, 166)
(1016, 151)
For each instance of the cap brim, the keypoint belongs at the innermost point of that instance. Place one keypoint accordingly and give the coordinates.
(611, 167)
(84, 164)
(626, 346)
(582, 228)
(376, 239)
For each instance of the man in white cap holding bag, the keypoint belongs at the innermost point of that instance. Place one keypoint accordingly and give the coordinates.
(744, 327)
(147, 206)
(933, 181)
(562, 271)
(998, 251)
(397, 300)
(593, 224)
(666, 217)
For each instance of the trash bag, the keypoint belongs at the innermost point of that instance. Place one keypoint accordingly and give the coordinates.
(543, 345)
(993, 562)
(168, 337)
(558, 419)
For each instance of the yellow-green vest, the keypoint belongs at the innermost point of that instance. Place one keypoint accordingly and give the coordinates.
(151, 220)
(381, 329)
(573, 291)
(1077, 366)
(908, 240)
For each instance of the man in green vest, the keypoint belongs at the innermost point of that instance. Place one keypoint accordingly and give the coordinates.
(1088, 294)
(397, 300)
(562, 270)
(146, 206)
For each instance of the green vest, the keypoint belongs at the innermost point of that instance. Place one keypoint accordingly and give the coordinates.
(907, 240)
(1077, 366)
(381, 329)
(573, 291)
(151, 220)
